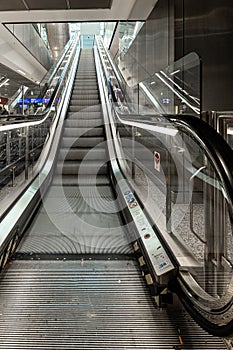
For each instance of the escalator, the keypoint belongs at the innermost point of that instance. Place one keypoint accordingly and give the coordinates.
(74, 282)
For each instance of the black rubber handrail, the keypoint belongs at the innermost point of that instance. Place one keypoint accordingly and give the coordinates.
(220, 154)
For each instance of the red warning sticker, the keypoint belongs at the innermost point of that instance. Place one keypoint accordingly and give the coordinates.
(157, 161)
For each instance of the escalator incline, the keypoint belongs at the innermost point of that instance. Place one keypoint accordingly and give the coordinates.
(74, 283)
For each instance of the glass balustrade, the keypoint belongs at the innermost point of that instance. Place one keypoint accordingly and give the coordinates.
(22, 137)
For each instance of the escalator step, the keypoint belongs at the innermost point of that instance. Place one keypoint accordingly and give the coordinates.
(81, 180)
(82, 102)
(83, 123)
(91, 167)
(87, 132)
(86, 96)
(95, 108)
(82, 142)
(80, 153)
(85, 89)
(85, 114)
(85, 191)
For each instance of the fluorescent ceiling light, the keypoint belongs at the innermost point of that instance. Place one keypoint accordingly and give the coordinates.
(21, 71)
(229, 131)
(176, 71)
(4, 82)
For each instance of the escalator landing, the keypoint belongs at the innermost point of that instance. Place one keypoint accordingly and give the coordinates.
(89, 305)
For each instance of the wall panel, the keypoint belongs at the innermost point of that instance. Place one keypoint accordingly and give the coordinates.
(206, 27)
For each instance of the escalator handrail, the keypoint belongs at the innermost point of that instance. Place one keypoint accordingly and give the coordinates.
(22, 120)
(119, 77)
(214, 145)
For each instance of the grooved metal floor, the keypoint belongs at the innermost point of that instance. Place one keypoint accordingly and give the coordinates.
(89, 305)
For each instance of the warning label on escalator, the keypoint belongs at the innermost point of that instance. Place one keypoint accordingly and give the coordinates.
(156, 161)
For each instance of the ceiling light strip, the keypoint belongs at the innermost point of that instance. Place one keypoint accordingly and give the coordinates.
(25, 4)
(68, 4)
(4, 81)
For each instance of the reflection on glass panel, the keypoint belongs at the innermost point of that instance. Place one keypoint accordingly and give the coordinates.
(127, 33)
(230, 134)
(31, 38)
(108, 33)
(74, 29)
(176, 89)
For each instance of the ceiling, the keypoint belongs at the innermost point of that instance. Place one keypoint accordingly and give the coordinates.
(15, 11)
(22, 5)
(61, 12)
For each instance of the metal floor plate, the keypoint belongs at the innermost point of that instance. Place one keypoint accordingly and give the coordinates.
(89, 305)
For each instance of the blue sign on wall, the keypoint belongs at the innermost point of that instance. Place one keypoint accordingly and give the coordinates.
(34, 100)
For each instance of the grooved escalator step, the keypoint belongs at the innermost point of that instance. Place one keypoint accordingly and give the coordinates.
(83, 142)
(84, 192)
(83, 123)
(86, 96)
(84, 102)
(86, 132)
(87, 92)
(85, 198)
(91, 167)
(73, 233)
(87, 82)
(81, 180)
(95, 108)
(80, 153)
(84, 114)
(82, 76)
(85, 74)
(85, 89)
